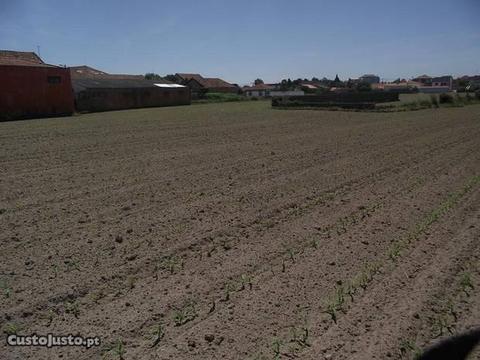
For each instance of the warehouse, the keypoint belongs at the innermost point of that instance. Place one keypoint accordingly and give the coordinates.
(29, 88)
(116, 94)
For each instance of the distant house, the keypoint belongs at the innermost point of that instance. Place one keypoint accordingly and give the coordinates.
(434, 85)
(369, 78)
(200, 85)
(269, 90)
(443, 81)
(96, 90)
(30, 88)
(423, 79)
(258, 91)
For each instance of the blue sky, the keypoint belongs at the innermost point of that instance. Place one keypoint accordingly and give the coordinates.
(243, 40)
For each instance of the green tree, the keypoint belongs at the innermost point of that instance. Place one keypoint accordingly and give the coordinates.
(170, 77)
(258, 81)
(152, 76)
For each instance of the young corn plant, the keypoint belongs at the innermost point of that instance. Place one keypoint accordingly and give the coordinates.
(395, 251)
(276, 348)
(246, 280)
(408, 347)
(72, 307)
(300, 337)
(6, 289)
(291, 254)
(335, 304)
(229, 288)
(115, 351)
(185, 314)
(11, 328)
(171, 264)
(441, 326)
(466, 283)
(158, 333)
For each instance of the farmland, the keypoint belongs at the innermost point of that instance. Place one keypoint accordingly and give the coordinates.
(241, 232)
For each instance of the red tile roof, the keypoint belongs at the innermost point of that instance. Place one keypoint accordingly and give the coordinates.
(217, 83)
(206, 82)
(21, 58)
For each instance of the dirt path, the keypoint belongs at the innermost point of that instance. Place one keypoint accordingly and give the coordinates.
(231, 228)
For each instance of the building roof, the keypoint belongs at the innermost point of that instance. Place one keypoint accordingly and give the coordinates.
(446, 78)
(424, 76)
(87, 72)
(205, 82)
(21, 58)
(80, 84)
(258, 87)
(187, 77)
(217, 83)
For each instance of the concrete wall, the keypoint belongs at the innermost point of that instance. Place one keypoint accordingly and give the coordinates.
(31, 91)
(94, 99)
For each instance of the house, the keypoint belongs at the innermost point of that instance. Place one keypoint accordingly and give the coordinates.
(258, 90)
(443, 81)
(423, 79)
(269, 90)
(96, 90)
(200, 85)
(369, 79)
(30, 88)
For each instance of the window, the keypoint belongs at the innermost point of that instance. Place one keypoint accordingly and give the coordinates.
(54, 79)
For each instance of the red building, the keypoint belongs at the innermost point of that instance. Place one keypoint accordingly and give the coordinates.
(30, 88)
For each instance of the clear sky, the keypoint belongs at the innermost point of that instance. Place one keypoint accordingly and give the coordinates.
(242, 40)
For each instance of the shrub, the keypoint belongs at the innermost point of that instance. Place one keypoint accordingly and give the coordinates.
(434, 100)
(477, 94)
(445, 99)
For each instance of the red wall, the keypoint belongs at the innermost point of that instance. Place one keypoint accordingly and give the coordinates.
(26, 93)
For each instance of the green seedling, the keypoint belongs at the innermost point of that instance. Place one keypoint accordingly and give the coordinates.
(336, 303)
(314, 243)
(116, 351)
(49, 315)
(11, 328)
(185, 314)
(276, 347)
(441, 326)
(300, 337)
(6, 289)
(229, 288)
(291, 254)
(157, 334)
(72, 307)
(72, 265)
(246, 280)
(409, 346)
(466, 283)
(171, 264)
(395, 251)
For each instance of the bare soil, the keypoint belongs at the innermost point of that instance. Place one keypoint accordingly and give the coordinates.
(234, 231)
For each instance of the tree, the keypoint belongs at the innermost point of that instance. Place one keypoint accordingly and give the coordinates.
(152, 76)
(258, 81)
(337, 79)
(170, 77)
(364, 86)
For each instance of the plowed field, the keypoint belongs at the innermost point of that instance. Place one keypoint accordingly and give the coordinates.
(234, 231)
